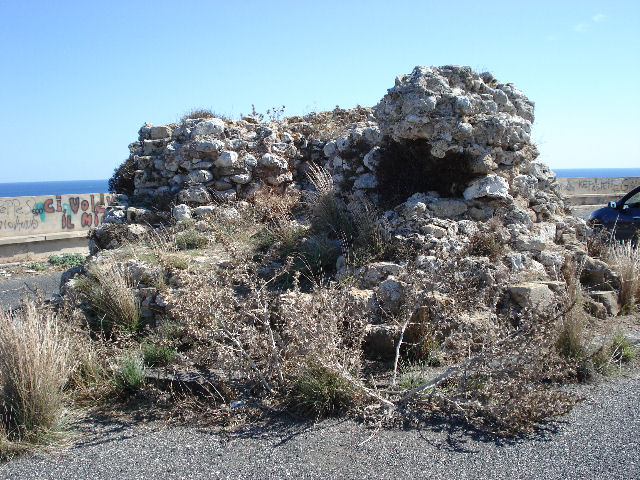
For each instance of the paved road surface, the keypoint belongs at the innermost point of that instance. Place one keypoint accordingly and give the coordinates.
(599, 439)
(13, 288)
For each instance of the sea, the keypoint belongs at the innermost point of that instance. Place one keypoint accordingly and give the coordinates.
(28, 189)
(34, 189)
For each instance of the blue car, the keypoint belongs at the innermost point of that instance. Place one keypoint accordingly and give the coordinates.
(622, 218)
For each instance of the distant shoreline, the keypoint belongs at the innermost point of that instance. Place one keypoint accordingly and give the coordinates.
(33, 189)
(28, 189)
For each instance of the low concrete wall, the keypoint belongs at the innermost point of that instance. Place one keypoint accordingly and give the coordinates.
(597, 185)
(34, 227)
(584, 195)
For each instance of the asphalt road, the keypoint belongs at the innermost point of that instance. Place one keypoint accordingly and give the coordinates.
(12, 289)
(599, 439)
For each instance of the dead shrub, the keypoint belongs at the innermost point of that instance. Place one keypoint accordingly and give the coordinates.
(624, 259)
(485, 244)
(36, 361)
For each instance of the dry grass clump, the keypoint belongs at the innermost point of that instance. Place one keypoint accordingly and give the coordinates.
(108, 292)
(36, 362)
(624, 259)
(327, 214)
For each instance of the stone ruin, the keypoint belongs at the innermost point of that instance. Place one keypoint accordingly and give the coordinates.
(460, 138)
(445, 154)
(443, 146)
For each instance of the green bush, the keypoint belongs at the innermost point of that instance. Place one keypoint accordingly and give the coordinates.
(67, 260)
(191, 240)
(130, 375)
(155, 355)
(321, 391)
(613, 353)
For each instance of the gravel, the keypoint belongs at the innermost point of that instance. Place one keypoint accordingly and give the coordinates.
(600, 438)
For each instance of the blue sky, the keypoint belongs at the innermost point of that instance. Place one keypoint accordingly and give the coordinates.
(79, 78)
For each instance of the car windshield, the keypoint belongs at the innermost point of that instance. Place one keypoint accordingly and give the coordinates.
(633, 201)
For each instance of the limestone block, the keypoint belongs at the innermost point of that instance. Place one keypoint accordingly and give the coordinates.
(374, 273)
(534, 295)
(210, 126)
(181, 212)
(153, 147)
(161, 131)
(380, 340)
(446, 208)
(209, 145)
(227, 159)
(194, 194)
(269, 160)
(200, 176)
(390, 293)
(491, 186)
(434, 230)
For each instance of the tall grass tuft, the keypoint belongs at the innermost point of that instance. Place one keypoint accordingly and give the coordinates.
(109, 293)
(327, 215)
(35, 365)
(624, 259)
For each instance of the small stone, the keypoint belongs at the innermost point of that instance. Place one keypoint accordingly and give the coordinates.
(250, 161)
(372, 159)
(241, 179)
(329, 149)
(279, 179)
(203, 210)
